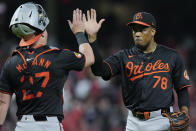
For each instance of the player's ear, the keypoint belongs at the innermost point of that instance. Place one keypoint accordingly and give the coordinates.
(153, 31)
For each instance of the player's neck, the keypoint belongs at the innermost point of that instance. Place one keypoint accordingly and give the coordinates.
(41, 41)
(151, 48)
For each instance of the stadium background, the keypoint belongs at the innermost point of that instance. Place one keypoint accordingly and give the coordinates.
(92, 104)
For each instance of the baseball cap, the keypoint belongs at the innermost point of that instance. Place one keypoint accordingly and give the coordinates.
(143, 18)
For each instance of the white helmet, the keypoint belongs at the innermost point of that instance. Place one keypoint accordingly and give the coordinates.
(29, 18)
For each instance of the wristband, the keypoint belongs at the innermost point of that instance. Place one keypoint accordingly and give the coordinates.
(81, 38)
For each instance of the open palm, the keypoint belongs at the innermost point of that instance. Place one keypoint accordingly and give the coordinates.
(77, 24)
(91, 25)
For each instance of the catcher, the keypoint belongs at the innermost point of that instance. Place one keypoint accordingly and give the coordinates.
(36, 72)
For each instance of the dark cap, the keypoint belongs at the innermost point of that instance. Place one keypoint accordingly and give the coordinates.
(143, 18)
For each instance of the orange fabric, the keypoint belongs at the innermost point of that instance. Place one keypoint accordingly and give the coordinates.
(22, 79)
(31, 80)
(31, 53)
(41, 54)
(109, 67)
(138, 22)
(29, 42)
(39, 94)
(145, 74)
(46, 76)
(157, 82)
(184, 87)
(147, 115)
(41, 62)
(27, 97)
(136, 69)
(21, 56)
(130, 56)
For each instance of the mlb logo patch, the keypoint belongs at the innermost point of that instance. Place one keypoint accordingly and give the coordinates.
(186, 76)
(78, 55)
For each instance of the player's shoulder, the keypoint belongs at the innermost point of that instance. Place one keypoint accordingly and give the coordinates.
(120, 52)
(16, 54)
(55, 49)
(10, 61)
(70, 54)
(125, 52)
(167, 50)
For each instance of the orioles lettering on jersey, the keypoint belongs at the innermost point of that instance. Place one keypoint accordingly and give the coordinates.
(134, 71)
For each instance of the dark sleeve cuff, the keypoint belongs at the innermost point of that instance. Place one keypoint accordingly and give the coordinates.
(183, 97)
(183, 87)
(81, 38)
(100, 68)
(97, 66)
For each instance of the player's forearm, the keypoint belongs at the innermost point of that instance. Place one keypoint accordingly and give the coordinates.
(85, 48)
(88, 53)
(183, 99)
(99, 68)
(4, 105)
(3, 112)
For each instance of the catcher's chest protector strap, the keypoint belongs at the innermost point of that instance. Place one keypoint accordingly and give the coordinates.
(25, 55)
(30, 56)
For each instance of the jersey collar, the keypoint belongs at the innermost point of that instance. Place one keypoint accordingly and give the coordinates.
(29, 42)
(138, 51)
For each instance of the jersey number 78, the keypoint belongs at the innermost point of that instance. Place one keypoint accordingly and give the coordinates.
(163, 81)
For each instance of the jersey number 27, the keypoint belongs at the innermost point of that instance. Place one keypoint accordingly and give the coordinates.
(46, 77)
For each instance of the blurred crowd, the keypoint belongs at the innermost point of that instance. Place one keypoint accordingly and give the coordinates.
(90, 103)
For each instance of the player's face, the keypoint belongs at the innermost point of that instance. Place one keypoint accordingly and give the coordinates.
(143, 35)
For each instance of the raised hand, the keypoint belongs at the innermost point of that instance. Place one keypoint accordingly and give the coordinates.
(91, 25)
(77, 24)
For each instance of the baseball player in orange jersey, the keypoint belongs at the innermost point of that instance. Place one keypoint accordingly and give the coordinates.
(149, 71)
(37, 72)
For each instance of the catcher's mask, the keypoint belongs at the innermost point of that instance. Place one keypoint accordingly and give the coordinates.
(29, 18)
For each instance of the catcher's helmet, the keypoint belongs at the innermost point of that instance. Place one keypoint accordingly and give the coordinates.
(28, 18)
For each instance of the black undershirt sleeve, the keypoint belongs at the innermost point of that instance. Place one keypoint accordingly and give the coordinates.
(100, 68)
(183, 97)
